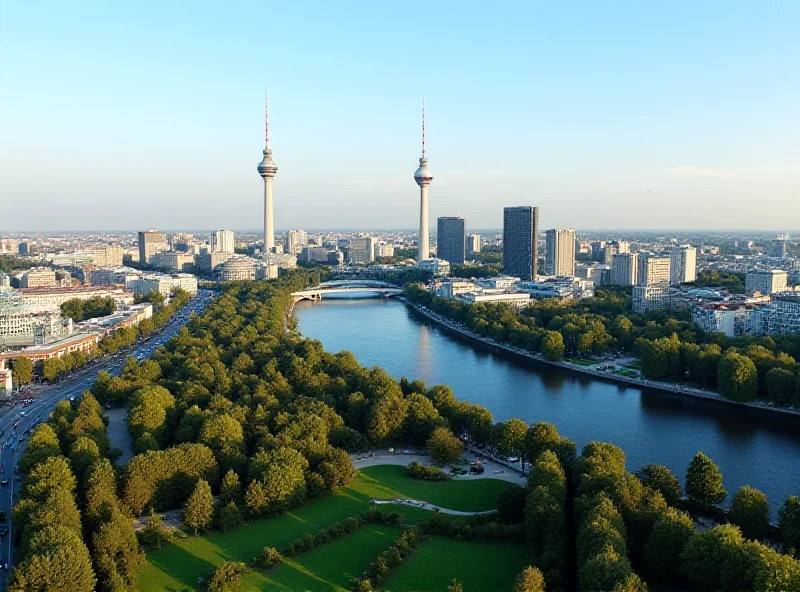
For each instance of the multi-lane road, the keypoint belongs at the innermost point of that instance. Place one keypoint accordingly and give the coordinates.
(16, 424)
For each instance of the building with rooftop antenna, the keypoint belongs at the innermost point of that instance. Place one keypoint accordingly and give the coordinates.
(267, 169)
(423, 177)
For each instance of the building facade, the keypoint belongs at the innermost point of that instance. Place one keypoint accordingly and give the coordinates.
(520, 236)
(625, 269)
(150, 243)
(770, 281)
(653, 270)
(295, 241)
(559, 258)
(473, 244)
(38, 277)
(451, 239)
(222, 241)
(683, 264)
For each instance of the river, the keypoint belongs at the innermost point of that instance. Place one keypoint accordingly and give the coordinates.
(756, 448)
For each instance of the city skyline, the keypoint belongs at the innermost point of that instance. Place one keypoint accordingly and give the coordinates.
(662, 137)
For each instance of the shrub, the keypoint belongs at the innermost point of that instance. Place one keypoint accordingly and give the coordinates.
(269, 557)
(417, 470)
(227, 577)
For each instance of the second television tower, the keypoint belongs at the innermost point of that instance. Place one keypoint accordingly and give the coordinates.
(267, 169)
(423, 177)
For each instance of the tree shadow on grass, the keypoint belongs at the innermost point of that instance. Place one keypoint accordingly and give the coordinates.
(179, 567)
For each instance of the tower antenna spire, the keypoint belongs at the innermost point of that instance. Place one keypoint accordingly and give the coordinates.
(423, 127)
(266, 119)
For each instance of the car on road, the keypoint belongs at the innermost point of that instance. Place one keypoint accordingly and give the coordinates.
(3, 531)
(3, 481)
(3, 516)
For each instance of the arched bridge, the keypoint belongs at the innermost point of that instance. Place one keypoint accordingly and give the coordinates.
(370, 289)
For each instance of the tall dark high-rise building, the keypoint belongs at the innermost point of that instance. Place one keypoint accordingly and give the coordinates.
(451, 239)
(520, 233)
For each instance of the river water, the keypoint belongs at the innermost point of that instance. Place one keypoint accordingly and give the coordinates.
(754, 448)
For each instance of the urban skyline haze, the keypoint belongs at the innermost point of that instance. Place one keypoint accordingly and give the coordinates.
(608, 116)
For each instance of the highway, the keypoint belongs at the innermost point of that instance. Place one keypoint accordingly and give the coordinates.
(16, 424)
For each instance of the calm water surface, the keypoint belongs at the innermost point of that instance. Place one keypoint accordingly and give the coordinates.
(754, 448)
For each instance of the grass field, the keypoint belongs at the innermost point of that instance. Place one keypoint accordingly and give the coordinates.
(177, 567)
(333, 566)
(480, 567)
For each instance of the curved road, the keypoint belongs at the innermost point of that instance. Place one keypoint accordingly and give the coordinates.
(16, 424)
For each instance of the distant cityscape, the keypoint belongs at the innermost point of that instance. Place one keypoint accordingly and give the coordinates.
(512, 266)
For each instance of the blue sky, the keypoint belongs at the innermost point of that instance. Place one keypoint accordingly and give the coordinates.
(150, 114)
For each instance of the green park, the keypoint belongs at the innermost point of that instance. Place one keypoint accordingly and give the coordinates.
(337, 564)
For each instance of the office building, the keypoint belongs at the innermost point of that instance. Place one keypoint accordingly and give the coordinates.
(38, 277)
(151, 242)
(779, 246)
(683, 264)
(451, 239)
(383, 249)
(559, 257)
(437, 267)
(624, 269)
(207, 262)
(5, 280)
(173, 261)
(163, 283)
(473, 244)
(6, 381)
(360, 251)
(222, 241)
(314, 254)
(282, 260)
(653, 270)
(184, 242)
(520, 236)
(295, 241)
(107, 276)
(770, 281)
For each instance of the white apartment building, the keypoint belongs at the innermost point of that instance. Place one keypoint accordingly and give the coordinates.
(518, 299)
(771, 281)
(295, 241)
(473, 243)
(162, 283)
(500, 282)
(560, 252)
(222, 241)
(653, 270)
(438, 267)
(624, 269)
(683, 264)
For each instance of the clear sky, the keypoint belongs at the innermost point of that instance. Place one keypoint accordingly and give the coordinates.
(615, 114)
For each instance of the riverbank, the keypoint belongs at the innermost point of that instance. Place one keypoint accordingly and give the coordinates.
(519, 353)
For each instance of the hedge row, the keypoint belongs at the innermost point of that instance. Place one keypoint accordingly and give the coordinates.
(416, 470)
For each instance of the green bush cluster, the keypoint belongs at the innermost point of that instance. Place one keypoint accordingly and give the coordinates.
(389, 560)
(333, 531)
(473, 528)
(416, 470)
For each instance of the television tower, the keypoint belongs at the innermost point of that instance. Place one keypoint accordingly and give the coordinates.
(267, 169)
(423, 177)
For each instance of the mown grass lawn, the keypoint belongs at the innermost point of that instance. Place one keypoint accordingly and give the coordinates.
(178, 566)
(333, 566)
(480, 567)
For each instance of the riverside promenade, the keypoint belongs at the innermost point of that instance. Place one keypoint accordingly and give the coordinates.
(520, 353)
